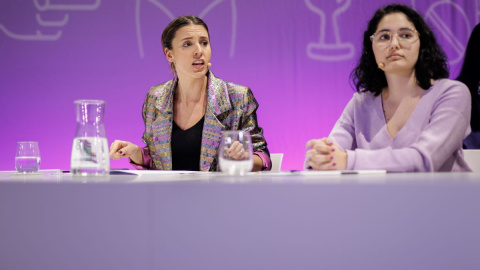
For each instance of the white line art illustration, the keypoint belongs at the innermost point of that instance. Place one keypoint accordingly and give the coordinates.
(171, 16)
(338, 50)
(477, 11)
(38, 35)
(445, 30)
(48, 6)
(233, 40)
(434, 19)
(52, 23)
(209, 7)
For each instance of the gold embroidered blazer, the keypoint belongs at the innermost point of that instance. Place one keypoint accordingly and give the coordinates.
(229, 107)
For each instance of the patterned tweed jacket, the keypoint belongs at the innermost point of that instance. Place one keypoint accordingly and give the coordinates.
(229, 107)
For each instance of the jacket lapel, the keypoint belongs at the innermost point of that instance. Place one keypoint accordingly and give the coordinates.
(218, 104)
(163, 128)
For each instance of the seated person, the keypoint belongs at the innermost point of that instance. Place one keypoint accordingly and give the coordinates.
(184, 117)
(406, 115)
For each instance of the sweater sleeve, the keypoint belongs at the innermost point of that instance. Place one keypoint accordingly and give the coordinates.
(343, 132)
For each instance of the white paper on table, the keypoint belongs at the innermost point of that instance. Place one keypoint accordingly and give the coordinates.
(156, 172)
(317, 173)
(162, 175)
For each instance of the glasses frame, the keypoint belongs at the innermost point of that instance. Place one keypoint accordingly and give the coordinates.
(372, 37)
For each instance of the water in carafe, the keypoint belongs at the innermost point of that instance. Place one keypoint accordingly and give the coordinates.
(90, 155)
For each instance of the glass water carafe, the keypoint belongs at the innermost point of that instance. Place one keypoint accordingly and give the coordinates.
(90, 155)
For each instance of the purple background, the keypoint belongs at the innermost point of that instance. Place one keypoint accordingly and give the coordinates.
(54, 52)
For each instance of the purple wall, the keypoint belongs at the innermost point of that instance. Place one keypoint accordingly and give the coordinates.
(295, 55)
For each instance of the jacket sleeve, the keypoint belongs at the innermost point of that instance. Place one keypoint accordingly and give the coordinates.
(148, 114)
(249, 123)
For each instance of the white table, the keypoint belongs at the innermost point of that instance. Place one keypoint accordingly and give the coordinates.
(209, 221)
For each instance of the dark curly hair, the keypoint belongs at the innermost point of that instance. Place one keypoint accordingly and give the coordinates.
(431, 63)
(470, 75)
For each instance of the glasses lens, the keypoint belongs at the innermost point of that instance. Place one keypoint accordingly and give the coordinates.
(405, 37)
(382, 39)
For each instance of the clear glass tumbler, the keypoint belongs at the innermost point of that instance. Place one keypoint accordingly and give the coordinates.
(27, 157)
(235, 153)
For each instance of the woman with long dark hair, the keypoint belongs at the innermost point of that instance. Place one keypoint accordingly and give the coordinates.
(406, 115)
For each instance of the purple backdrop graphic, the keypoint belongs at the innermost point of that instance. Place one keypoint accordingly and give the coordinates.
(295, 55)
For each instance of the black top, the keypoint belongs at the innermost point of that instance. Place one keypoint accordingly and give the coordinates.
(186, 145)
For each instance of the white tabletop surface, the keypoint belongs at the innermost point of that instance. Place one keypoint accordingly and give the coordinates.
(286, 220)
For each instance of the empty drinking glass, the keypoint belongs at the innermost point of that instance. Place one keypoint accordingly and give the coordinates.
(27, 157)
(236, 154)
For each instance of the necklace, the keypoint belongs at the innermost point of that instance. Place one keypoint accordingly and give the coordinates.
(387, 119)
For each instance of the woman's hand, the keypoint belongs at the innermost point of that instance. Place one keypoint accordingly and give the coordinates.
(120, 149)
(236, 151)
(324, 154)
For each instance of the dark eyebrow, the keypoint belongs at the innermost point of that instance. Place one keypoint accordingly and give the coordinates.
(388, 30)
(188, 38)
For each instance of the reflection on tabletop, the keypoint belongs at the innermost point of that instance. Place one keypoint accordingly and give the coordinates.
(315, 177)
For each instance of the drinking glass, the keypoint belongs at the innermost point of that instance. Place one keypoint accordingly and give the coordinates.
(236, 154)
(90, 147)
(27, 157)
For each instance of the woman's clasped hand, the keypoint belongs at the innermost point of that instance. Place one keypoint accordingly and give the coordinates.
(324, 154)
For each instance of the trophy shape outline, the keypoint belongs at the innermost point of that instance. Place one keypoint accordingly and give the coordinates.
(336, 51)
(171, 16)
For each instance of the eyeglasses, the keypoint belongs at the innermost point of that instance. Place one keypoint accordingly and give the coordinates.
(405, 37)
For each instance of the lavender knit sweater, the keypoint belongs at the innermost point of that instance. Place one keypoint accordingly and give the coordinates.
(431, 139)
